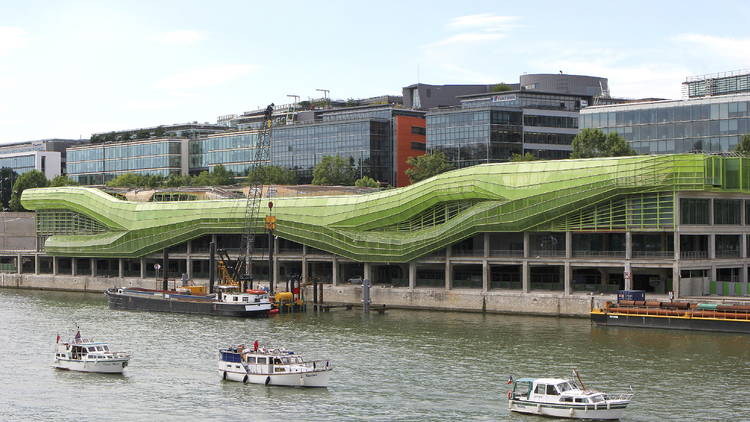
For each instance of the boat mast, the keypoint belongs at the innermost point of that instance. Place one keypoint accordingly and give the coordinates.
(583, 387)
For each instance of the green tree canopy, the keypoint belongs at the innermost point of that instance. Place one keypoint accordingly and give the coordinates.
(132, 180)
(221, 176)
(333, 170)
(366, 182)
(501, 87)
(28, 180)
(7, 178)
(523, 157)
(176, 180)
(271, 175)
(426, 166)
(590, 143)
(743, 147)
(62, 180)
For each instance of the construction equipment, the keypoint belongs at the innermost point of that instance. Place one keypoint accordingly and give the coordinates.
(243, 269)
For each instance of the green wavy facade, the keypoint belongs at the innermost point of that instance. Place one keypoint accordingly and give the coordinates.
(400, 225)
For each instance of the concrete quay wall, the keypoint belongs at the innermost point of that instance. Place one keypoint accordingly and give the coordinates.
(464, 300)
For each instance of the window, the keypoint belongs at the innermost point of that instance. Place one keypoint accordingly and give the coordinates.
(262, 361)
(417, 130)
(694, 211)
(551, 391)
(541, 388)
(727, 211)
(419, 146)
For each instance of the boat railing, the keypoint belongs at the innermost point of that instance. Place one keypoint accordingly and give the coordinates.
(619, 396)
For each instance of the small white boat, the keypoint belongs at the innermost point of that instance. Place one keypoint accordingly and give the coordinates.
(272, 367)
(564, 399)
(86, 355)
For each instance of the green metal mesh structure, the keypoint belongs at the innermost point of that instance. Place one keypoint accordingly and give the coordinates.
(399, 225)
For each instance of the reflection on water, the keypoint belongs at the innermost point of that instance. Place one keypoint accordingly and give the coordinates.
(401, 366)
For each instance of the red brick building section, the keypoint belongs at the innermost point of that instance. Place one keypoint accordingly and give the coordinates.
(410, 141)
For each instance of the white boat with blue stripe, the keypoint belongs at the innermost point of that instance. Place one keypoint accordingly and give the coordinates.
(562, 398)
(86, 355)
(271, 366)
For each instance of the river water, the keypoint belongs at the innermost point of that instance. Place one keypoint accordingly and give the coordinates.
(400, 366)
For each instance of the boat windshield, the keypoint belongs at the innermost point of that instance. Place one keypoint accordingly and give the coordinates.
(565, 386)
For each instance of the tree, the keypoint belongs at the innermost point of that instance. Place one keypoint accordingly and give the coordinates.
(132, 180)
(366, 182)
(333, 170)
(426, 166)
(501, 87)
(143, 134)
(590, 143)
(523, 157)
(221, 176)
(62, 180)
(271, 175)
(7, 177)
(159, 131)
(743, 147)
(28, 180)
(176, 180)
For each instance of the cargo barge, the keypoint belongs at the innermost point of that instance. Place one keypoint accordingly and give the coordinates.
(674, 315)
(250, 303)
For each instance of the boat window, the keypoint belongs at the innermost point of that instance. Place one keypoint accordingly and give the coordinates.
(245, 299)
(581, 400)
(563, 387)
(541, 388)
(235, 298)
(597, 398)
(551, 391)
(262, 361)
(99, 349)
(251, 359)
(566, 399)
(106, 348)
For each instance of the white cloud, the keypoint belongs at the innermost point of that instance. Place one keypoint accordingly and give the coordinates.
(205, 77)
(181, 37)
(12, 38)
(734, 49)
(477, 28)
(484, 21)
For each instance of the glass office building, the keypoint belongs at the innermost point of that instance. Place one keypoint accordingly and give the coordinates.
(19, 163)
(491, 127)
(235, 151)
(709, 124)
(99, 163)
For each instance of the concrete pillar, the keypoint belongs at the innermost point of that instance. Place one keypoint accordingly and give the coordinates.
(526, 244)
(73, 266)
(412, 275)
(276, 272)
(743, 274)
(712, 246)
(485, 275)
(676, 279)
(568, 245)
(19, 264)
(189, 247)
(143, 268)
(743, 244)
(448, 275)
(712, 274)
(36, 264)
(334, 270)
(568, 278)
(54, 265)
(93, 267)
(628, 245)
(628, 276)
(603, 277)
(121, 268)
(676, 242)
(189, 266)
(304, 266)
(525, 277)
(486, 245)
(367, 269)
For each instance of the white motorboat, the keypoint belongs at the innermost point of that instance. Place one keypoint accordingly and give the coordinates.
(564, 399)
(86, 355)
(272, 367)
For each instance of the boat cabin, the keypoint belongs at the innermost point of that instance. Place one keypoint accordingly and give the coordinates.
(80, 351)
(230, 294)
(553, 390)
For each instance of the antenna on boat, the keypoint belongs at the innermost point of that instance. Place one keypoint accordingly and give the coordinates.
(583, 387)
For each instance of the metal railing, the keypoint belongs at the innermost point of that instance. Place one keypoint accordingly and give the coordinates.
(586, 254)
(653, 254)
(547, 253)
(694, 254)
(506, 252)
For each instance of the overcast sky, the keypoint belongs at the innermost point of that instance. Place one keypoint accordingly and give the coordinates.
(72, 68)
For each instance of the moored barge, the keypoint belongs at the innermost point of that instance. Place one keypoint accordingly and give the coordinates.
(674, 315)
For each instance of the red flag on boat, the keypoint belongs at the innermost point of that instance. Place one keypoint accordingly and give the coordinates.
(57, 340)
(255, 346)
(510, 380)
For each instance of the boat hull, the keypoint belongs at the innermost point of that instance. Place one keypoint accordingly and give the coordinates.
(582, 411)
(109, 366)
(157, 303)
(670, 322)
(318, 378)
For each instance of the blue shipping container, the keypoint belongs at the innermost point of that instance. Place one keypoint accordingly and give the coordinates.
(631, 295)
